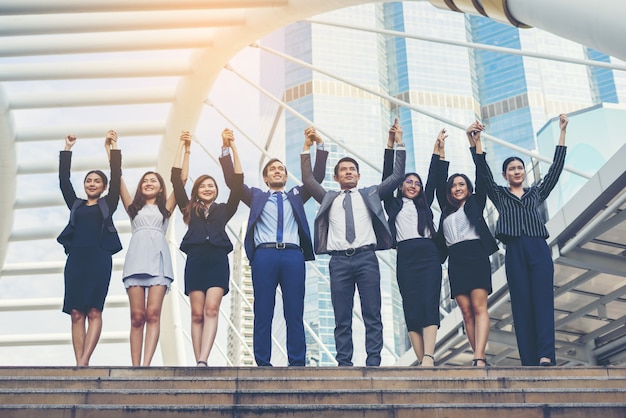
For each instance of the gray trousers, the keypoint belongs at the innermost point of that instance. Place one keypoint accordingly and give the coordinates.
(345, 272)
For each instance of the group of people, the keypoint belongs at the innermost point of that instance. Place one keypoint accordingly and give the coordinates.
(351, 225)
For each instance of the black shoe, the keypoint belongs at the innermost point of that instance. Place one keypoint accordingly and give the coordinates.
(547, 363)
(476, 360)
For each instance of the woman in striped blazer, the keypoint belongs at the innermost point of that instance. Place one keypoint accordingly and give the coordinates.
(529, 266)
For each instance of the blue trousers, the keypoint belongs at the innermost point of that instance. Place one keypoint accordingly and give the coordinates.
(270, 268)
(530, 275)
(345, 272)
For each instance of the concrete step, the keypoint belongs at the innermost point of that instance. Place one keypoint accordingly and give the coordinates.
(462, 392)
(296, 383)
(296, 397)
(556, 410)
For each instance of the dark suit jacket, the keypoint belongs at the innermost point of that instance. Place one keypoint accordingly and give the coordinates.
(256, 199)
(109, 239)
(372, 197)
(474, 207)
(214, 226)
(393, 204)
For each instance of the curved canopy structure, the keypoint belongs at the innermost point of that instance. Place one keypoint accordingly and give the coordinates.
(103, 54)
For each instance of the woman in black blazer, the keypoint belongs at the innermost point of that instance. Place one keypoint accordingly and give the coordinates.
(418, 266)
(207, 246)
(469, 244)
(89, 239)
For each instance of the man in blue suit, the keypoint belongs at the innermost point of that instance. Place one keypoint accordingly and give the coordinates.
(277, 244)
(350, 226)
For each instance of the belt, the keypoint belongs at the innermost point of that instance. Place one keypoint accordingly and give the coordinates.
(353, 251)
(279, 246)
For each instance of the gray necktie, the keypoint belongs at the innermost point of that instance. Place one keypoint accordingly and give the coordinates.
(347, 206)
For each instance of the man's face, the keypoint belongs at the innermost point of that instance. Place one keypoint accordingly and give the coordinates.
(347, 175)
(276, 176)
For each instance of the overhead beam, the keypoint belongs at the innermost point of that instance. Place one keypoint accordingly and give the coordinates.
(93, 130)
(86, 164)
(89, 43)
(54, 24)
(101, 97)
(94, 69)
(595, 260)
(81, 6)
(45, 267)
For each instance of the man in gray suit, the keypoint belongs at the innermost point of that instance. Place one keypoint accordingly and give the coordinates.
(350, 225)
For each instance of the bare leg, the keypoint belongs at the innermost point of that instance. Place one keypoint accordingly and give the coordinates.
(94, 329)
(137, 301)
(153, 321)
(482, 322)
(78, 334)
(465, 305)
(211, 315)
(196, 300)
(430, 338)
(418, 344)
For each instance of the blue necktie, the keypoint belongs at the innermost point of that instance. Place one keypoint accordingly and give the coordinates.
(279, 205)
(347, 206)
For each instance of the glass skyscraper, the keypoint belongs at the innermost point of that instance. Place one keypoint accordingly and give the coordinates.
(513, 95)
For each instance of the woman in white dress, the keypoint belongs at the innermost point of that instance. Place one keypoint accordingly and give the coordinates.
(148, 270)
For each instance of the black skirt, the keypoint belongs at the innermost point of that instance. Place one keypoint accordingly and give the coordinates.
(418, 271)
(468, 268)
(207, 266)
(87, 278)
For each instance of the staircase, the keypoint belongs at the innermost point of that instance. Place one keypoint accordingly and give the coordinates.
(399, 392)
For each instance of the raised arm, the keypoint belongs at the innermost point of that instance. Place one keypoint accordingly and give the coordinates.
(387, 187)
(441, 178)
(388, 158)
(548, 182)
(228, 169)
(484, 176)
(311, 187)
(65, 163)
(236, 192)
(115, 164)
(180, 171)
(184, 150)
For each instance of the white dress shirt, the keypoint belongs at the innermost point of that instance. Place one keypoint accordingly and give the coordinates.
(363, 228)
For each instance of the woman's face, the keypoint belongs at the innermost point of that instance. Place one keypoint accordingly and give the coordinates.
(150, 186)
(207, 191)
(515, 173)
(459, 190)
(94, 186)
(411, 187)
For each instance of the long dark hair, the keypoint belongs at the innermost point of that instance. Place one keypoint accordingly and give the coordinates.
(424, 213)
(139, 201)
(194, 203)
(453, 204)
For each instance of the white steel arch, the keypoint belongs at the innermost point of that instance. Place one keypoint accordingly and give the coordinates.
(215, 31)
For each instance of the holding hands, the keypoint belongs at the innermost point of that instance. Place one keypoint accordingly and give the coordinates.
(473, 131)
(228, 138)
(110, 141)
(395, 134)
(311, 137)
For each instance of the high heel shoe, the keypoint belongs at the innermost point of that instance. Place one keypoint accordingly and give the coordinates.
(429, 356)
(201, 363)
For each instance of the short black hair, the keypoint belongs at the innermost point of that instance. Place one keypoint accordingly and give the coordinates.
(346, 160)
